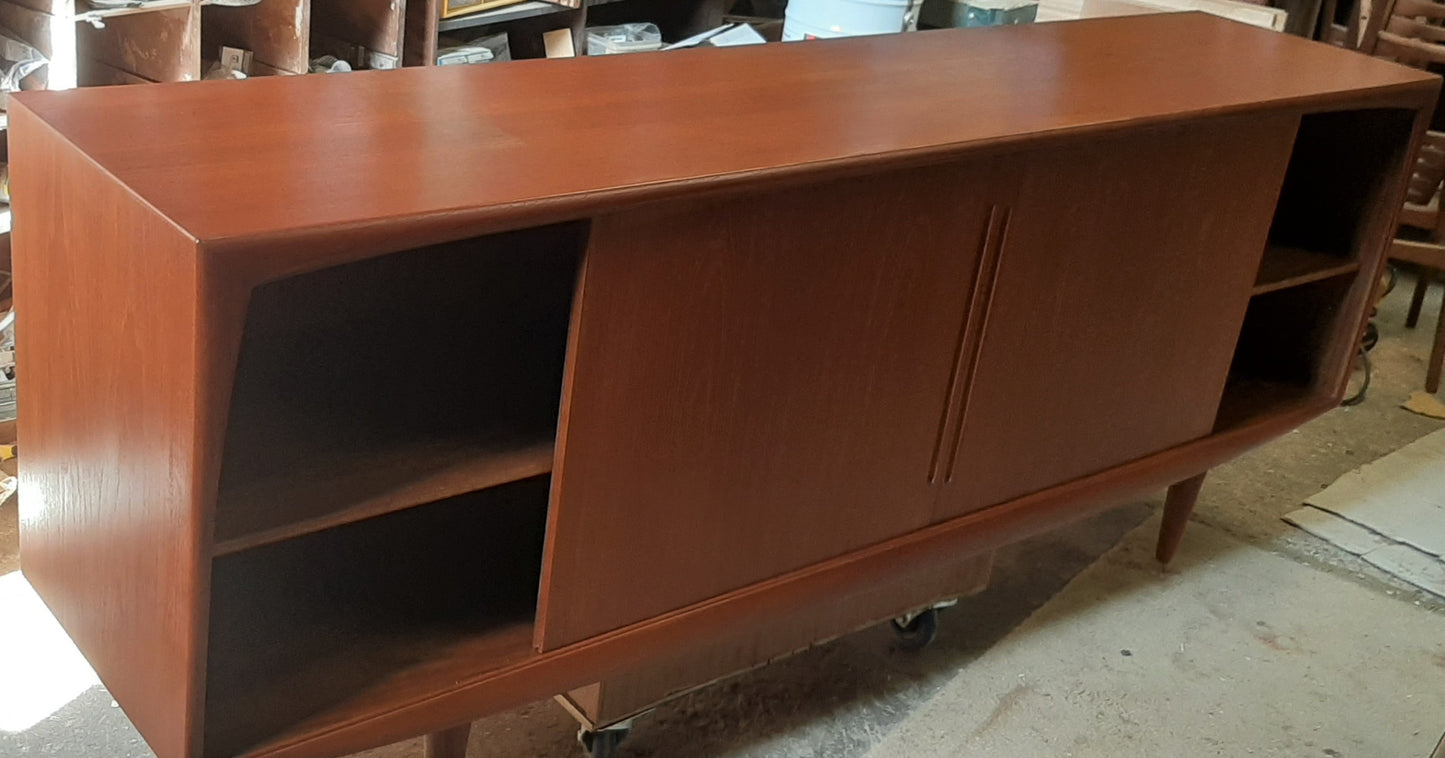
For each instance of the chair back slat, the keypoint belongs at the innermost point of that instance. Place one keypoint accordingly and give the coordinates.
(1412, 32)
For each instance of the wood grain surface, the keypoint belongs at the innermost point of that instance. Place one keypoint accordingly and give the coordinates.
(353, 151)
(737, 649)
(396, 381)
(761, 382)
(1123, 283)
(807, 262)
(414, 705)
(356, 615)
(114, 484)
(1285, 267)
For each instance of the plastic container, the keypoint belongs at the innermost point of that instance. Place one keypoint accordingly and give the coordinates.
(463, 54)
(623, 38)
(947, 13)
(820, 19)
(999, 12)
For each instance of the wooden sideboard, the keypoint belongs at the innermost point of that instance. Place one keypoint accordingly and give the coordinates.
(357, 407)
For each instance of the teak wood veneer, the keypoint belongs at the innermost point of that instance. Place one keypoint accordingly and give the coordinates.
(357, 407)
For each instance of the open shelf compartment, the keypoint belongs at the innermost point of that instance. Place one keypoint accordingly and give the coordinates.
(391, 382)
(1332, 208)
(1332, 189)
(369, 616)
(1284, 267)
(1281, 355)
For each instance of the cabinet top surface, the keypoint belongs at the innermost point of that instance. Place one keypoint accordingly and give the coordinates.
(269, 157)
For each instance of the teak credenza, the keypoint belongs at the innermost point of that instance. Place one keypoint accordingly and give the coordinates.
(357, 407)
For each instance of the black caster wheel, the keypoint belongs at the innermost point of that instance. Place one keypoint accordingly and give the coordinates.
(603, 744)
(1371, 338)
(919, 632)
(1366, 370)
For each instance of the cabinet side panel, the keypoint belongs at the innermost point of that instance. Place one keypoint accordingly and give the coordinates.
(111, 535)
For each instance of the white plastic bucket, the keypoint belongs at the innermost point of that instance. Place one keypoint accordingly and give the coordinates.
(820, 19)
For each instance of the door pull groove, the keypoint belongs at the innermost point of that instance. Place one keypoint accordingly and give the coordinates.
(962, 358)
(980, 306)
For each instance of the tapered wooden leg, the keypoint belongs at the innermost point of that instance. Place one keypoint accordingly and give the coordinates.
(451, 743)
(1417, 300)
(1437, 355)
(1177, 507)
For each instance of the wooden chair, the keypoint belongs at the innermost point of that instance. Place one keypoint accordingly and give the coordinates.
(1331, 31)
(1412, 32)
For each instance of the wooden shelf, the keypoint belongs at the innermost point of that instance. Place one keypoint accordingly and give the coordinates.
(321, 491)
(1247, 399)
(390, 671)
(502, 15)
(358, 620)
(1284, 267)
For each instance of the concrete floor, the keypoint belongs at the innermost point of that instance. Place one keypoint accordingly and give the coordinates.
(1245, 653)
(842, 699)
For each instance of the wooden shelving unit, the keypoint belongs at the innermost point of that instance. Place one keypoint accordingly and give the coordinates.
(1310, 275)
(313, 488)
(378, 407)
(525, 22)
(320, 491)
(300, 499)
(502, 15)
(178, 40)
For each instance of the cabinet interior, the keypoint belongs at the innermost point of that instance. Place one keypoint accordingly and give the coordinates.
(384, 482)
(358, 619)
(395, 381)
(1336, 189)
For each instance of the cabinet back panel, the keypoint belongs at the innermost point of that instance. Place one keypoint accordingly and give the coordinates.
(1286, 332)
(1341, 164)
